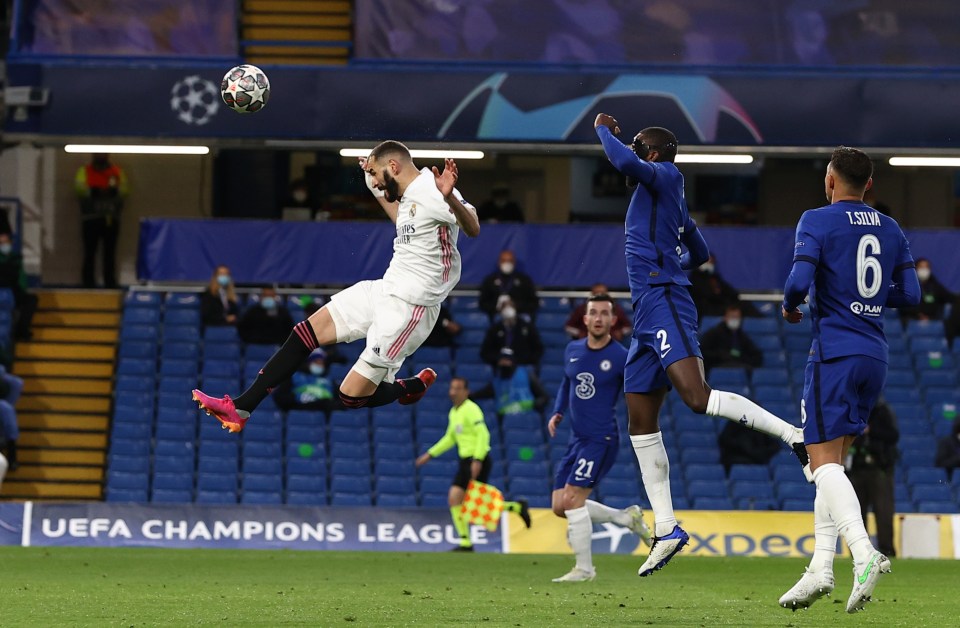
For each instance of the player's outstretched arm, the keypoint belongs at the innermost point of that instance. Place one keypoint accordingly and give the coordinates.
(390, 209)
(465, 213)
(620, 155)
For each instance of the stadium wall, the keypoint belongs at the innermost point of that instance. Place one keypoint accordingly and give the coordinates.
(713, 533)
(345, 252)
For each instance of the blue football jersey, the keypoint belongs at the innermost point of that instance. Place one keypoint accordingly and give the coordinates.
(592, 384)
(657, 218)
(856, 251)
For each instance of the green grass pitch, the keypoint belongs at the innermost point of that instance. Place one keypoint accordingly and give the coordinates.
(147, 587)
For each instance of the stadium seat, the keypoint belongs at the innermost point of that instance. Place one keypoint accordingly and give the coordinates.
(706, 488)
(171, 496)
(756, 490)
(767, 343)
(396, 484)
(260, 431)
(712, 503)
(175, 481)
(475, 373)
(945, 378)
(940, 507)
(126, 494)
(349, 483)
(770, 377)
(528, 487)
(698, 455)
(430, 356)
(262, 449)
(306, 466)
(186, 300)
(697, 439)
(797, 505)
(931, 492)
(261, 497)
(175, 367)
(397, 419)
(135, 299)
(726, 377)
(185, 432)
(182, 316)
(263, 482)
(216, 481)
(926, 475)
(528, 468)
(216, 497)
(221, 351)
(128, 464)
(131, 366)
(227, 369)
(135, 331)
(259, 465)
(129, 481)
(622, 487)
(928, 343)
(397, 467)
(181, 333)
(138, 349)
(308, 498)
(757, 503)
(391, 500)
(131, 431)
(352, 420)
(435, 484)
(693, 472)
(351, 499)
(748, 473)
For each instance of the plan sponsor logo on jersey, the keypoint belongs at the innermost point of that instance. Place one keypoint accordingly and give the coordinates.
(865, 309)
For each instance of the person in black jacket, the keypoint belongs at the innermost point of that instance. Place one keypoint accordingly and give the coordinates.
(508, 283)
(14, 278)
(712, 294)
(511, 339)
(948, 450)
(266, 322)
(218, 303)
(726, 344)
(870, 466)
(934, 297)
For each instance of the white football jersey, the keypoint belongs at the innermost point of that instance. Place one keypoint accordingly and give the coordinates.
(426, 262)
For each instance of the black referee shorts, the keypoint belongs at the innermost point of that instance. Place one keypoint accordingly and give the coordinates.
(463, 472)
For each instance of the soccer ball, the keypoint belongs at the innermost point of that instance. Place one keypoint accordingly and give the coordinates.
(245, 89)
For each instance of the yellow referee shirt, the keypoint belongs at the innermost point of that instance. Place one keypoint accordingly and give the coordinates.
(467, 431)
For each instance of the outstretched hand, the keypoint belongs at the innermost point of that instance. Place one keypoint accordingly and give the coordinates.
(447, 179)
(608, 121)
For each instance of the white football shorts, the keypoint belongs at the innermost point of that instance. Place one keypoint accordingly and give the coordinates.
(394, 328)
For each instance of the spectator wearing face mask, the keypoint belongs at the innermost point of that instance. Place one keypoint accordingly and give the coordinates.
(266, 322)
(726, 344)
(511, 338)
(712, 294)
(218, 303)
(508, 283)
(622, 327)
(311, 387)
(934, 297)
(14, 278)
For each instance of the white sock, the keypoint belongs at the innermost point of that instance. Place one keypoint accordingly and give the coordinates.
(655, 473)
(743, 411)
(844, 508)
(825, 535)
(579, 530)
(243, 414)
(601, 513)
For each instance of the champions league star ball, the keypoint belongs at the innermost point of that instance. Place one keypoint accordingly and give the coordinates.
(245, 89)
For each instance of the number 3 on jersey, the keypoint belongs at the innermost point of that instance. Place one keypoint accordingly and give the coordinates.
(664, 345)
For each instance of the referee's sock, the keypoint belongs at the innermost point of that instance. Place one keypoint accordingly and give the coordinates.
(462, 527)
(278, 368)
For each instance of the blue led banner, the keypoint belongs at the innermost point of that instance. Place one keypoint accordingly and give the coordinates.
(246, 527)
(555, 256)
(464, 105)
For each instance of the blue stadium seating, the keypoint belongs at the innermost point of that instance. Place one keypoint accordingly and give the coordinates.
(262, 497)
(945, 506)
(308, 498)
(351, 499)
(396, 484)
(712, 503)
(171, 496)
(390, 500)
(306, 466)
(216, 497)
(749, 489)
(926, 475)
(749, 473)
(221, 482)
(138, 349)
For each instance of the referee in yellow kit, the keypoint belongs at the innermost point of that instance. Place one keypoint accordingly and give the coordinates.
(467, 430)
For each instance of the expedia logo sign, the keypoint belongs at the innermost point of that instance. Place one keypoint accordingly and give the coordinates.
(865, 309)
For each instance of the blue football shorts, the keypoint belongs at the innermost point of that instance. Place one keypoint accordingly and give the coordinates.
(585, 463)
(838, 396)
(664, 331)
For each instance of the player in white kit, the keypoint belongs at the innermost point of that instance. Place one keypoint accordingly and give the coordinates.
(395, 314)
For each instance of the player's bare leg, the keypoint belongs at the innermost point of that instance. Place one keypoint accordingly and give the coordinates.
(841, 501)
(644, 426)
(688, 378)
